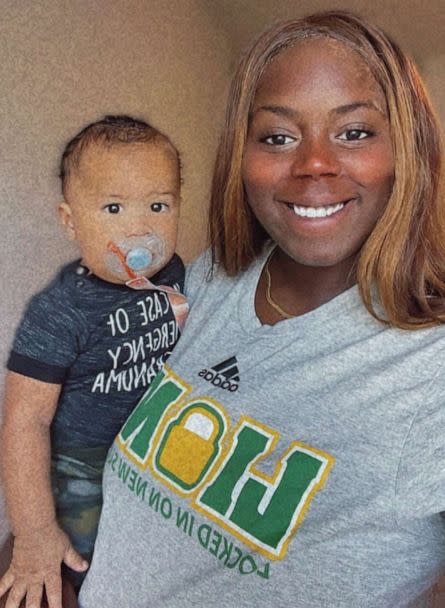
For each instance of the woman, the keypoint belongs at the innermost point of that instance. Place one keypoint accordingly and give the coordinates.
(291, 453)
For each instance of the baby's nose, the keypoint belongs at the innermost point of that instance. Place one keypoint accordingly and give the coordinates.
(139, 225)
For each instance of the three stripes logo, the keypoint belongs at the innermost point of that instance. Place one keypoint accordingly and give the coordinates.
(225, 375)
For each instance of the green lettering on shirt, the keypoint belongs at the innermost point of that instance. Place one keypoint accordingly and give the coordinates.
(139, 428)
(265, 511)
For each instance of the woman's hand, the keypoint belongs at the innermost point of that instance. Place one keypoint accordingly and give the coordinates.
(35, 566)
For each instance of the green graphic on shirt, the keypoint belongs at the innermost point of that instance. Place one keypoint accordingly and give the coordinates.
(270, 527)
(139, 429)
(249, 444)
(190, 445)
(185, 450)
(267, 510)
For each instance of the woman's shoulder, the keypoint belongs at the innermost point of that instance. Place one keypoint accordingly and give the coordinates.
(204, 274)
(198, 269)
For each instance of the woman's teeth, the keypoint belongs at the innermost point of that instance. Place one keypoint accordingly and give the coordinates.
(317, 211)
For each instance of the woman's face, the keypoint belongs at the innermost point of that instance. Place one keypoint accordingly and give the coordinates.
(318, 165)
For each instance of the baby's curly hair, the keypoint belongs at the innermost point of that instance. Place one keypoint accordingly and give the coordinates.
(108, 131)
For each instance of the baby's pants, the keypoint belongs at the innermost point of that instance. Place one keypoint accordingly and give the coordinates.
(77, 488)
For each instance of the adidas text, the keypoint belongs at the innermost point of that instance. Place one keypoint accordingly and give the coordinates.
(218, 380)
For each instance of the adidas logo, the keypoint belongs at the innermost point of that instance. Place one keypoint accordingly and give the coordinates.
(225, 375)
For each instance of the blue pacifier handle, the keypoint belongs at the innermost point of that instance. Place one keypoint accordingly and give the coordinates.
(139, 258)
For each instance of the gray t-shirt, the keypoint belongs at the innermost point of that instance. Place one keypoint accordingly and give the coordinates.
(300, 464)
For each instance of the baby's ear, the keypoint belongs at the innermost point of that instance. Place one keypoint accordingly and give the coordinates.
(66, 217)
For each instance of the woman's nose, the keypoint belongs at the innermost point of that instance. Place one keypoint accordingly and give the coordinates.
(316, 157)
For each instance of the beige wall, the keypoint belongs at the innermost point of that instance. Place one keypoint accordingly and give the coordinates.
(67, 62)
(418, 25)
(434, 72)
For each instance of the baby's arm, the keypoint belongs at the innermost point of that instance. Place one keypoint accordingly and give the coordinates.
(40, 546)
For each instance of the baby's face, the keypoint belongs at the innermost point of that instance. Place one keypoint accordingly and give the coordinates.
(122, 206)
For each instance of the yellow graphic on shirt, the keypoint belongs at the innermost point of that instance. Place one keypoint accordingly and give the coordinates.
(190, 444)
(190, 447)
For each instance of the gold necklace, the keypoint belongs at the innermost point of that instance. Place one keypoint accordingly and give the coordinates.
(269, 298)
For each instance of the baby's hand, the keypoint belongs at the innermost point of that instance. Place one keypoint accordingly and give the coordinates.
(35, 565)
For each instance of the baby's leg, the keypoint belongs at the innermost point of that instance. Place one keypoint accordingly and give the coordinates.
(77, 488)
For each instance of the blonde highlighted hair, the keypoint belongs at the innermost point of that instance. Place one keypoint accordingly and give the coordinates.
(404, 257)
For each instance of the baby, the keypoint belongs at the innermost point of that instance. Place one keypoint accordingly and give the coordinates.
(88, 347)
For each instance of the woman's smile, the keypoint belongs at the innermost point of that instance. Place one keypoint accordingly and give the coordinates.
(317, 212)
(316, 219)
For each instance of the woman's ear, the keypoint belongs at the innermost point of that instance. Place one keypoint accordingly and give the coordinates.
(66, 217)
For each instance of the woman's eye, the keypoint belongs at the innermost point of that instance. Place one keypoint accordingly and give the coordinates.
(355, 134)
(159, 207)
(113, 208)
(278, 139)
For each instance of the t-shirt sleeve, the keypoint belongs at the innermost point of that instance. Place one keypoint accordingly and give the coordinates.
(46, 342)
(420, 486)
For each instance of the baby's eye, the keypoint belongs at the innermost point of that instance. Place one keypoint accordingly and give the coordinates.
(113, 208)
(355, 134)
(159, 207)
(277, 139)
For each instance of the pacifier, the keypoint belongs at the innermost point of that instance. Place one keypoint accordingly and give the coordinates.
(139, 258)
